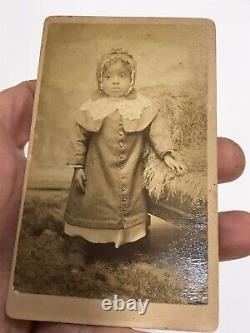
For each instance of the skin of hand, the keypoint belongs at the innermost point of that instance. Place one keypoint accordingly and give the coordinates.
(80, 179)
(15, 118)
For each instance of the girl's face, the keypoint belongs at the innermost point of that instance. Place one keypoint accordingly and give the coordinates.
(116, 79)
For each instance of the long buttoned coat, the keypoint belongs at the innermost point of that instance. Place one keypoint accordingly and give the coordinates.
(111, 151)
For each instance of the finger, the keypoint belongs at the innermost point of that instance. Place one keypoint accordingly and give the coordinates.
(171, 166)
(82, 189)
(83, 178)
(8, 169)
(11, 181)
(81, 183)
(231, 160)
(178, 167)
(178, 170)
(16, 105)
(234, 234)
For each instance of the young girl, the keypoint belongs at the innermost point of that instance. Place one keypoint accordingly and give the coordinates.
(106, 200)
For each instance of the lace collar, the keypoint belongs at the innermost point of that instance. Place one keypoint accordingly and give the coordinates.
(128, 108)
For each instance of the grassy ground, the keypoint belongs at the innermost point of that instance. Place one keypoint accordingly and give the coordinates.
(169, 267)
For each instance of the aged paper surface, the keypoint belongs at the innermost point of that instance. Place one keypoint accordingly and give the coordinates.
(119, 205)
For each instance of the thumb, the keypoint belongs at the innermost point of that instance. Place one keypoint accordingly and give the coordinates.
(16, 105)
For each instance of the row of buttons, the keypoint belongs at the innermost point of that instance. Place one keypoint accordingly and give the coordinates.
(124, 198)
(121, 143)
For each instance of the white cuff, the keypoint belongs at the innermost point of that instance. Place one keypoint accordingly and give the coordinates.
(166, 152)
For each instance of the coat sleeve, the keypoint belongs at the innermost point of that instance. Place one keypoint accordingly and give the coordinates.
(160, 135)
(78, 146)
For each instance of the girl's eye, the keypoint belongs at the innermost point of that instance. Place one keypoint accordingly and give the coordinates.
(107, 76)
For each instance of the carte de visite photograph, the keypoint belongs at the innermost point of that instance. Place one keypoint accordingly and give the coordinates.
(118, 219)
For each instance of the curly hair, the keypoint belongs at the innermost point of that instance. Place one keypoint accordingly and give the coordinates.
(111, 57)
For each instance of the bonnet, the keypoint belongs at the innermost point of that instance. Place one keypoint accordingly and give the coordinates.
(108, 58)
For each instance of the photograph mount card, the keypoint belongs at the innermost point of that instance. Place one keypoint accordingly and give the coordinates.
(118, 219)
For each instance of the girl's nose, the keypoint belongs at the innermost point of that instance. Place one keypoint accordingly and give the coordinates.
(116, 81)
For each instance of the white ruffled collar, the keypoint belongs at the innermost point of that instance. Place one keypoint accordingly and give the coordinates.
(128, 108)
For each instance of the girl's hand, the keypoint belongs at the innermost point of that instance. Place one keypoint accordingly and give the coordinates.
(80, 179)
(174, 165)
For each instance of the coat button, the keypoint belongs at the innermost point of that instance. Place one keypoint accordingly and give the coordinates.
(124, 199)
(121, 156)
(124, 188)
(121, 133)
(121, 144)
(122, 165)
(124, 219)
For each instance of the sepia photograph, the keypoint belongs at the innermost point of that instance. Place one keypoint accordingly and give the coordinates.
(119, 202)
